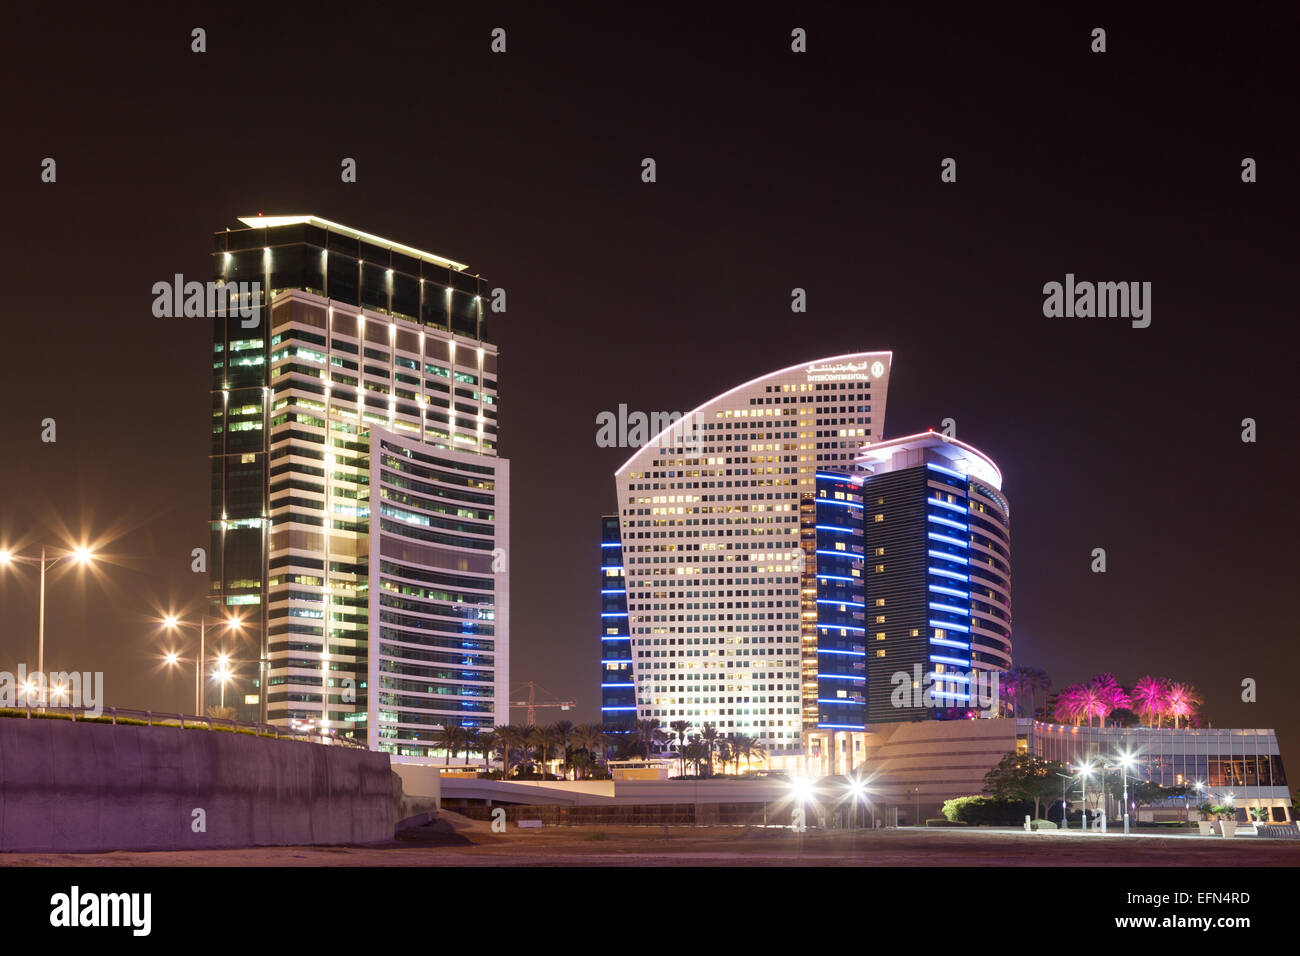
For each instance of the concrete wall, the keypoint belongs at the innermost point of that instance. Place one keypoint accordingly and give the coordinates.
(92, 787)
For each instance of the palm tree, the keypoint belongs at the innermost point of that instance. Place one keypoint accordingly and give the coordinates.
(451, 738)
(591, 737)
(1069, 706)
(543, 738)
(1150, 695)
(482, 741)
(506, 737)
(708, 736)
(681, 728)
(1038, 681)
(1182, 702)
(563, 731)
(694, 752)
(1014, 682)
(724, 753)
(747, 747)
(1110, 696)
(648, 731)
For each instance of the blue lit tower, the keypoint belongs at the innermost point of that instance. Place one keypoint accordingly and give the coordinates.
(938, 574)
(617, 690)
(834, 605)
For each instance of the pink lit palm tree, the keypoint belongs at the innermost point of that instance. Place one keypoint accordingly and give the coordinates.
(1182, 701)
(1150, 695)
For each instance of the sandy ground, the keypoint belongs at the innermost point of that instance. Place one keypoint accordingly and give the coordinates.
(456, 841)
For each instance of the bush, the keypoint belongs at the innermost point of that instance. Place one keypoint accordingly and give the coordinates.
(1042, 825)
(987, 811)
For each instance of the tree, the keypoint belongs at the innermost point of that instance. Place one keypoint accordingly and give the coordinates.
(1123, 717)
(1013, 684)
(648, 732)
(1150, 697)
(708, 736)
(695, 752)
(1182, 701)
(562, 733)
(1038, 681)
(724, 753)
(681, 728)
(592, 738)
(1024, 777)
(451, 737)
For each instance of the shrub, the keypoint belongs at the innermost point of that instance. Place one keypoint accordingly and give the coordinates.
(1042, 825)
(987, 811)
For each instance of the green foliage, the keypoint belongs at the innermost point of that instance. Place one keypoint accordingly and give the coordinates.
(1042, 825)
(987, 811)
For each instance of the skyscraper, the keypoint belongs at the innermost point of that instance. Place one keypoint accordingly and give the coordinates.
(360, 513)
(938, 582)
(710, 528)
(617, 690)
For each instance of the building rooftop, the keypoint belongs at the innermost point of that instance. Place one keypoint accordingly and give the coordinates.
(264, 222)
(965, 458)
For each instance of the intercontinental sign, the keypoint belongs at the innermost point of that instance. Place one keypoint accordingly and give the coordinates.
(846, 371)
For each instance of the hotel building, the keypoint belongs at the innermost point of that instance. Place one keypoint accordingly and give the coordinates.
(713, 529)
(360, 513)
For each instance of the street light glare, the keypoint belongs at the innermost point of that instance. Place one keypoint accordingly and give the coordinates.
(170, 620)
(82, 554)
(6, 555)
(171, 658)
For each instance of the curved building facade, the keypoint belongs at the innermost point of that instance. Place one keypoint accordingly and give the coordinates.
(709, 514)
(938, 537)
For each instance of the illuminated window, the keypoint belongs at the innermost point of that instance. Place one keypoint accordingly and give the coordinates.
(879, 518)
(881, 652)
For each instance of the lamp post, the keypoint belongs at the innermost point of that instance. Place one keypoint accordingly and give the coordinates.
(1126, 761)
(80, 555)
(1085, 769)
(172, 623)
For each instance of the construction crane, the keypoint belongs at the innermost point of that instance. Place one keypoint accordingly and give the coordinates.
(532, 704)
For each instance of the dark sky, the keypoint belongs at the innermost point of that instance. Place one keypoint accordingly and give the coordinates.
(775, 170)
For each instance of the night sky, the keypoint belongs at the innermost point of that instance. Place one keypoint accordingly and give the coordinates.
(775, 171)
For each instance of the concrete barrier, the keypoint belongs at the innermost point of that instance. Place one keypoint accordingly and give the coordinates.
(88, 787)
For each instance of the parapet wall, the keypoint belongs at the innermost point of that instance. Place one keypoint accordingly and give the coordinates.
(86, 787)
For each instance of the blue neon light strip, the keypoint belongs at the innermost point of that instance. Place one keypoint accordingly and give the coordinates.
(611, 544)
(953, 591)
(827, 650)
(613, 613)
(843, 676)
(947, 540)
(844, 726)
(832, 501)
(618, 685)
(835, 577)
(833, 601)
(843, 554)
(946, 471)
(950, 696)
(831, 527)
(952, 678)
(617, 661)
(950, 608)
(823, 474)
(950, 627)
(613, 590)
(947, 521)
(840, 700)
(947, 504)
(944, 572)
(618, 708)
(939, 658)
(611, 567)
(946, 556)
(947, 643)
(842, 627)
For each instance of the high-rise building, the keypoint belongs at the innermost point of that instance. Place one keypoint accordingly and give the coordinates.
(360, 513)
(617, 690)
(938, 574)
(710, 528)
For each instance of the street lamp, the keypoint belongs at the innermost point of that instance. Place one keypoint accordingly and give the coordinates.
(1126, 762)
(172, 623)
(1085, 771)
(80, 555)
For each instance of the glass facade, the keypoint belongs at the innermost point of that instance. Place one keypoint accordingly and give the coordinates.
(359, 339)
(617, 690)
(835, 659)
(721, 594)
